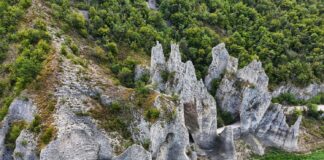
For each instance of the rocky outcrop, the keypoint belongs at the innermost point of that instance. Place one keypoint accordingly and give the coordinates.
(25, 146)
(18, 110)
(141, 71)
(199, 105)
(222, 62)
(245, 95)
(134, 152)
(300, 93)
(77, 136)
(226, 147)
(274, 130)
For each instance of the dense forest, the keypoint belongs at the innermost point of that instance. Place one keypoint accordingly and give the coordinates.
(287, 36)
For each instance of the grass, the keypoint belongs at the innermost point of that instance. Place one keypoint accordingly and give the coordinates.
(276, 154)
(13, 134)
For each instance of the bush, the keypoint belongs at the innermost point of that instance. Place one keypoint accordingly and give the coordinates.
(64, 50)
(35, 125)
(74, 48)
(115, 107)
(125, 76)
(313, 111)
(152, 114)
(214, 85)
(287, 99)
(13, 134)
(47, 135)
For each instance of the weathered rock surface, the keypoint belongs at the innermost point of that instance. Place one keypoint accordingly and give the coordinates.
(77, 136)
(134, 152)
(18, 110)
(141, 71)
(199, 105)
(222, 62)
(25, 146)
(274, 130)
(300, 93)
(225, 150)
(169, 136)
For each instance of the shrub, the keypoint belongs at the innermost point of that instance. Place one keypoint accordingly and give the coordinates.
(312, 111)
(74, 48)
(214, 85)
(35, 125)
(287, 99)
(115, 107)
(125, 76)
(47, 135)
(152, 114)
(141, 89)
(64, 50)
(13, 134)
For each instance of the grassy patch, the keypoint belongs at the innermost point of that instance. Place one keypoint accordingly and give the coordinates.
(276, 154)
(13, 134)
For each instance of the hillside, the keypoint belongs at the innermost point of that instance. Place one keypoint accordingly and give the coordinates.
(162, 80)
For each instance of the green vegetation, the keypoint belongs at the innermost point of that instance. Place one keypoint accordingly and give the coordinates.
(35, 125)
(275, 154)
(13, 133)
(114, 118)
(286, 36)
(290, 99)
(152, 114)
(47, 135)
(224, 118)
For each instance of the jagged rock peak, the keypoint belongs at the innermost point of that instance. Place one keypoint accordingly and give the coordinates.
(221, 62)
(254, 74)
(157, 56)
(199, 105)
(274, 130)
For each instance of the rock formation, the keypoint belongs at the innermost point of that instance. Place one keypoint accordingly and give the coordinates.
(18, 110)
(300, 93)
(199, 105)
(134, 152)
(222, 62)
(274, 130)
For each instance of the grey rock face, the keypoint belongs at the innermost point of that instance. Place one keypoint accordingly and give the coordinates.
(77, 136)
(169, 138)
(140, 71)
(300, 93)
(254, 104)
(134, 152)
(274, 131)
(199, 105)
(25, 146)
(226, 148)
(18, 110)
(221, 62)
(157, 66)
(254, 144)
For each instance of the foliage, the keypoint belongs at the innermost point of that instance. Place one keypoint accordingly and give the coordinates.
(286, 37)
(35, 125)
(47, 135)
(276, 154)
(13, 133)
(152, 114)
(224, 118)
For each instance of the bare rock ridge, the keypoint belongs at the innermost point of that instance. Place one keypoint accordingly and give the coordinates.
(300, 93)
(186, 128)
(199, 105)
